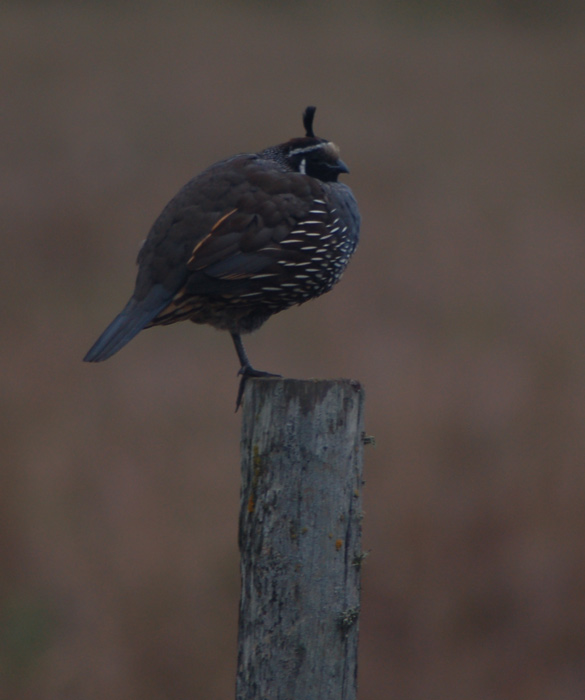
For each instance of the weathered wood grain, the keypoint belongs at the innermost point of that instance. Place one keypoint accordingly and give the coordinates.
(300, 540)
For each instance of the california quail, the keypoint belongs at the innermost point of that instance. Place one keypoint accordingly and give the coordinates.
(245, 239)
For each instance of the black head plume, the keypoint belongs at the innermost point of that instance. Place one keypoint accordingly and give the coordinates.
(308, 116)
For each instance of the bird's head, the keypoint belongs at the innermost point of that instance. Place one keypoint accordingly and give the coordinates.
(309, 155)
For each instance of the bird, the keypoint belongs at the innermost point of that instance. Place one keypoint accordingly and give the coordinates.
(248, 237)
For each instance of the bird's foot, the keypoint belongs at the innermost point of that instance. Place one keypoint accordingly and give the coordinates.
(247, 371)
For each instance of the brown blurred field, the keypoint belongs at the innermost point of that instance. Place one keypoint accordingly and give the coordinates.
(462, 313)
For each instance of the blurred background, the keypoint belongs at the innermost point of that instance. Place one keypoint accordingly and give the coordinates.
(461, 313)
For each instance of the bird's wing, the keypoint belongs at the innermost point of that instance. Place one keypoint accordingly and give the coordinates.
(242, 244)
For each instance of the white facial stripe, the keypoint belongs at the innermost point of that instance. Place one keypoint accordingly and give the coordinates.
(307, 149)
(303, 167)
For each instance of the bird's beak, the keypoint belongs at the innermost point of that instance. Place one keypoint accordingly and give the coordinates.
(341, 167)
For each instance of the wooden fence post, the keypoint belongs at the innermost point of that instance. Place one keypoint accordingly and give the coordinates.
(300, 539)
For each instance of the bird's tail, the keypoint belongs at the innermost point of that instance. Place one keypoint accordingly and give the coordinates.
(135, 316)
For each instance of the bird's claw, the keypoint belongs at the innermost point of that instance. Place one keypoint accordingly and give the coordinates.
(247, 371)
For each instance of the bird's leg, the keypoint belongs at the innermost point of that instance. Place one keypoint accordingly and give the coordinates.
(246, 369)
